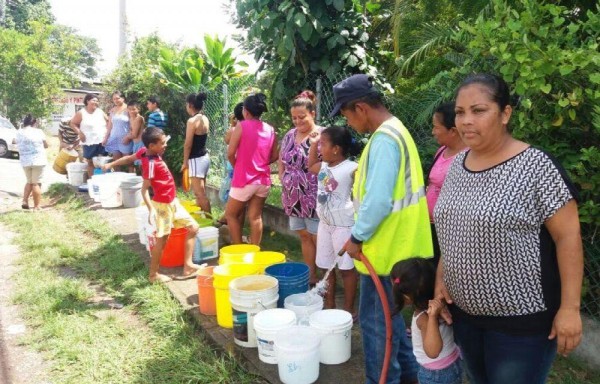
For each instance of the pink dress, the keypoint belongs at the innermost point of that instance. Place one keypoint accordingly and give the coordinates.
(253, 154)
(437, 175)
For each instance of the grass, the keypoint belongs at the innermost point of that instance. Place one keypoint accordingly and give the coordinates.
(150, 340)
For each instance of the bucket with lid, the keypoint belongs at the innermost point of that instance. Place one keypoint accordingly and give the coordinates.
(206, 291)
(207, 245)
(131, 191)
(233, 253)
(335, 328)
(266, 325)
(172, 255)
(76, 173)
(250, 295)
(297, 350)
(223, 274)
(303, 305)
(64, 157)
(293, 278)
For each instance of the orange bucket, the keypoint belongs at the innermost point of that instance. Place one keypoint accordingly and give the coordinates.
(206, 292)
(172, 255)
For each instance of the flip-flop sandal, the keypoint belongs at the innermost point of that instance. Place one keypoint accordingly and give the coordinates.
(192, 275)
(24, 206)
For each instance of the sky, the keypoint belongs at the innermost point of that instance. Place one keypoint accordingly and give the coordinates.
(182, 21)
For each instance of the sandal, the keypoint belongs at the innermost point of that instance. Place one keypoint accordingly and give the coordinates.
(24, 206)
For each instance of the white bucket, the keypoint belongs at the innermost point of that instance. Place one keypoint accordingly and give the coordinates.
(248, 296)
(266, 324)
(207, 245)
(76, 173)
(141, 217)
(303, 305)
(96, 185)
(110, 193)
(335, 328)
(91, 187)
(131, 194)
(297, 350)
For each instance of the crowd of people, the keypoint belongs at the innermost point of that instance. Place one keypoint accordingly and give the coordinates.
(486, 246)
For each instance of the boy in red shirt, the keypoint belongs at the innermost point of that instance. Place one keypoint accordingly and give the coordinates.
(165, 210)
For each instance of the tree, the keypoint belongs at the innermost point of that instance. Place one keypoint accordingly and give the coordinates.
(295, 39)
(20, 13)
(28, 78)
(191, 69)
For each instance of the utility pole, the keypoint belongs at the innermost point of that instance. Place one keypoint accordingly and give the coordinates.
(122, 27)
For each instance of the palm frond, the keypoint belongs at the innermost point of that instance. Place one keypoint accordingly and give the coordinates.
(433, 38)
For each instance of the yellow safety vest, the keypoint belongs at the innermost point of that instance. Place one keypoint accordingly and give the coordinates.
(406, 231)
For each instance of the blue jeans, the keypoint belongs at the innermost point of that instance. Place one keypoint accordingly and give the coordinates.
(452, 374)
(492, 357)
(403, 365)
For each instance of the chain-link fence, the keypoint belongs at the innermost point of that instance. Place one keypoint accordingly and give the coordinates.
(220, 103)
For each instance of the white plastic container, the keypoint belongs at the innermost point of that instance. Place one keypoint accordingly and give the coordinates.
(335, 328)
(248, 296)
(141, 217)
(110, 193)
(303, 305)
(297, 350)
(76, 173)
(131, 191)
(266, 325)
(207, 245)
(91, 187)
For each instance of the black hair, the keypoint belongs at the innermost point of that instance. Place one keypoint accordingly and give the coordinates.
(496, 86)
(342, 137)
(448, 114)
(306, 99)
(29, 120)
(134, 103)
(237, 111)
(256, 104)
(118, 93)
(89, 97)
(196, 100)
(151, 135)
(415, 278)
(155, 100)
(373, 99)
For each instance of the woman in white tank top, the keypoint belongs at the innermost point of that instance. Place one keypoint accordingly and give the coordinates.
(90, 125)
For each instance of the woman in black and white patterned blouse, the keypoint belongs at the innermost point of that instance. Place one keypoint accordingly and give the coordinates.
(512, 258)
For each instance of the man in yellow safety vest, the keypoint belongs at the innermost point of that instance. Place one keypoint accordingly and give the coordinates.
(392, 221)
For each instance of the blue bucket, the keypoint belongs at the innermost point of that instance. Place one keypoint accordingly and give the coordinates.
(292, 277)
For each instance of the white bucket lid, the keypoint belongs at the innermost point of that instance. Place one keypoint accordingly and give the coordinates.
(274, 319)
(330, 320)
(297, 339)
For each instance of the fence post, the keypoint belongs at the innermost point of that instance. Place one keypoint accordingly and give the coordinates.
(319, 96)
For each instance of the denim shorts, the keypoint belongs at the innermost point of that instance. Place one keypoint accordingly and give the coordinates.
(93, 150)
(452, 374)
(300, 223)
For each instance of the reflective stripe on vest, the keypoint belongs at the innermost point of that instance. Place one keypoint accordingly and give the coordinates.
(410, 197)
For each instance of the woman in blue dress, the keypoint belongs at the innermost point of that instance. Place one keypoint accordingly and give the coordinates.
(118, 133)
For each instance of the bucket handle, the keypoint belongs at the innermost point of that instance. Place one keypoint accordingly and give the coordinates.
(259, 302)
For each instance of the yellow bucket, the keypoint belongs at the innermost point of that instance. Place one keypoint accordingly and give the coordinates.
(189, 205)
(263, 259)
(223, 274)
(235, 253)
(64, 157)
(203, 219)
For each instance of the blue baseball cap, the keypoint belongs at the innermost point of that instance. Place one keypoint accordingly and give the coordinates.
(351, 88)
